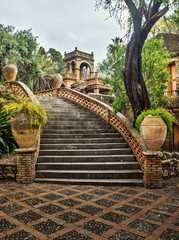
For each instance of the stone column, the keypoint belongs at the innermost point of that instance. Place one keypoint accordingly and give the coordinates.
(153, 169)
(25, 165)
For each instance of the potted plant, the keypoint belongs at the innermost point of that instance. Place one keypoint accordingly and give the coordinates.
(155, 125)
(27, 122)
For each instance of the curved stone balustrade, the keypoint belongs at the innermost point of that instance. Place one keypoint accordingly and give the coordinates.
(21, 89)
(150, 162)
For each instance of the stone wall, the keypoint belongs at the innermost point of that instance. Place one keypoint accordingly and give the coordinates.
(8, 171)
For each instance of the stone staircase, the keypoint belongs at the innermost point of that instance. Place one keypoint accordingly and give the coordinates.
(79, 147)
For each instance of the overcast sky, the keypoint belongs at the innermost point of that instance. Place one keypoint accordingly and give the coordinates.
(63, 24)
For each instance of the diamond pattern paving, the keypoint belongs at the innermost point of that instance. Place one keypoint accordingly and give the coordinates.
(71, 217)
(52, 196)
(50, 208)
(83, 212)
(3, 200)
(114, 217)
(124, 235)
(159, 217)
(33, 201)
(128, 209)
(96, 227)
(20, 235)
(6, 225)
(170, 234)
(73, 235)
(69, 202)
(28, 217)
(48, 227)
(105, 202)
(10, 208)
(143, 226)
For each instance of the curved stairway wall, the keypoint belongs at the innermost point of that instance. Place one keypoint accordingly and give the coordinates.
(77, 146)
(150, 162)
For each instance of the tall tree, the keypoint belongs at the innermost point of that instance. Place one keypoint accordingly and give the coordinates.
(143, 15)
(18, 47)
(154, 66)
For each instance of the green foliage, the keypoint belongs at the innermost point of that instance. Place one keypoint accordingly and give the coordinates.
(7, 142)
(111, 68)
(156, 75)
(21, 49)
(36, 111)
(166, 116)
(57, 59)
(48, 63)
(155, 62)
(18, 47)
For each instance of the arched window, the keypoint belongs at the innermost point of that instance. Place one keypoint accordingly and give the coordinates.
(84, 71)
(68, 67)
(73, 67)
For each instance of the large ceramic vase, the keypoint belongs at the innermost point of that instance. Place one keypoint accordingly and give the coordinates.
(10, 72)
(24, 134)
(154, 132)
(56, 80)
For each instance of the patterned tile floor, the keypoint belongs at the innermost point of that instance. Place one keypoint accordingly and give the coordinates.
(77, 212)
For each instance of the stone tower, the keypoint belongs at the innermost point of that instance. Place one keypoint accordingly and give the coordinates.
(79, 66)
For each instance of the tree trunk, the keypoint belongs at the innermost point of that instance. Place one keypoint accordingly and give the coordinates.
(133, 78)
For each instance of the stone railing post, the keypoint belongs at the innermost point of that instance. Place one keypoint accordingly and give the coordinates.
(152, 169)
(25, 165)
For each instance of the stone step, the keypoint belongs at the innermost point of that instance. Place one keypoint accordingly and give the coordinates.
(84, 146)
(78, 131)
(90, 174)
(84, 152)
(82, 125)
(112, 182)
(88, 158)
(81, 148)
(72, 117)
(49, 106)
(99, 135)
(82, 140)
(87, 166)
(73, 121)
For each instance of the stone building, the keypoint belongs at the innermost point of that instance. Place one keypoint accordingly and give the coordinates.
(171, 42)
(80, 74)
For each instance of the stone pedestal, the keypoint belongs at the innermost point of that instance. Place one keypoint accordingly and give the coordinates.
(153, 169)
(25, 165)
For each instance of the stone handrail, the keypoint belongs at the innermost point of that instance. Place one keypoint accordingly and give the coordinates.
(150, 162)
(21, 89)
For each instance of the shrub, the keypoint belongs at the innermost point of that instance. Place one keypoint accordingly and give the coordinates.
(7, 142)
(36, 111)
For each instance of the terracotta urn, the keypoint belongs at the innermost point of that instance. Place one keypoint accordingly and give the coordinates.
(10, 72)
(56, 80)
(154, 132)
(24, 134)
